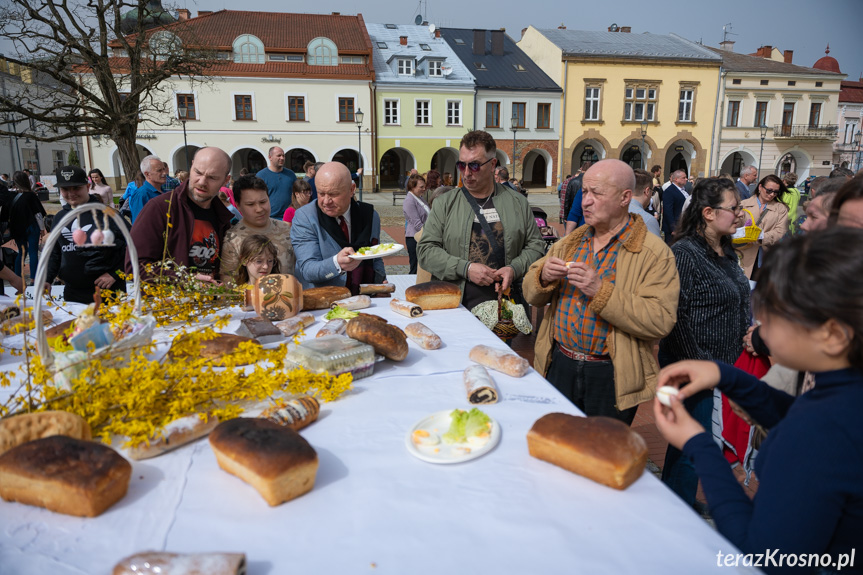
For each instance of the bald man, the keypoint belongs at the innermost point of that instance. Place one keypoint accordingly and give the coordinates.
(198, 224)
(612, 289)
(326, 232)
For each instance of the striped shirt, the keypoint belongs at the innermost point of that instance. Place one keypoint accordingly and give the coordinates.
(575, 325)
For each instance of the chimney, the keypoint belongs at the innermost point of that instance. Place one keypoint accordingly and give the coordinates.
(523, 30)
(204, 12)
(437, 33)
(403, 40)
(183, 14)
(337, 13)
(612, 29)
(626, 29)
(497, 42)
(561, 27)
(727, 45)
(764, 51)
(789, 54)
(479, 42)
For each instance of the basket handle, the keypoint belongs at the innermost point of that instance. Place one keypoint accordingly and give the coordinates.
(42, 271)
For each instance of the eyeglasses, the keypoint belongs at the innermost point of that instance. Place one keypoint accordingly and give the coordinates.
(772, 191)
(734, 210)
(473, 166)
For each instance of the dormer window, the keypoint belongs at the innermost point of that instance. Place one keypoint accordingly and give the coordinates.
(435, 68)
(248, 49)
(406, 66)
(322, 52)
(425, 47)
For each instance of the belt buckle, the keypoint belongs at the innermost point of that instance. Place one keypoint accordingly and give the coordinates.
(580, 356)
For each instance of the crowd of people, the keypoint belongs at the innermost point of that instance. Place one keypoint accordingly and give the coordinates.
(641, 269)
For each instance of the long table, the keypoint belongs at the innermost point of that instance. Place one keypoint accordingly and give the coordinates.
(377, 509)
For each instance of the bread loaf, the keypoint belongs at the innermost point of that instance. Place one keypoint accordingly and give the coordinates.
(21, 323)
(405, 308)
(291, 326)
(323, 297)
(71, 476)
(426, 338)
(502, 361)
(600, 448)
(376, 289)
(295, 413)
(336, 326)
(20, 429)
(434, 295)
(479, 385)
(275, 460)
(163, 563)
(177, 433)
(354, 302)
(388, 340)
(213, 349)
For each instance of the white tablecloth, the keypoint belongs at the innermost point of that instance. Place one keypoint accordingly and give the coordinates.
(377, 509)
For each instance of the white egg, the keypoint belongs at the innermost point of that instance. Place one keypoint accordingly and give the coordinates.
(664, 394)
(423, 437)
(478, 440)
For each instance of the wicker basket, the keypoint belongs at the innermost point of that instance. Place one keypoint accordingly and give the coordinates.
(751, 233)
(504, 328)
(66, 365)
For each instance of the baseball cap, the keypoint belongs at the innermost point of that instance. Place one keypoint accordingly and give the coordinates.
(71, 177)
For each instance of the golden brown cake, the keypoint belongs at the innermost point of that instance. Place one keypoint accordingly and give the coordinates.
(20, 429)
(275, 460)
(323, 297)
(387, 339)
(65, 475)
(600, 448)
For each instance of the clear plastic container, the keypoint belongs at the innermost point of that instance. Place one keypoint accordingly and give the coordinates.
(335, 354)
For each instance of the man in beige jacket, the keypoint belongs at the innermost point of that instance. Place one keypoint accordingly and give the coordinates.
(613, 290)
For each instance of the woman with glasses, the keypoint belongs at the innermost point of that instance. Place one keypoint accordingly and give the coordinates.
(769, 214)
(713, 310)
(301, 194)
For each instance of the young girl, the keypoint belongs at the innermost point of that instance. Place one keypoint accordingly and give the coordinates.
(258, 258)
(810, 467)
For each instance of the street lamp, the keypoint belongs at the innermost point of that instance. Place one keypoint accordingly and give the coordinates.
(761, 153)
(643, 154)
(857, 137)
(358, 118)
(181, 111)
(514, 130)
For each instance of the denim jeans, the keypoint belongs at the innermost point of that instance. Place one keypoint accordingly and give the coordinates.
(31, 241)
(587, 384)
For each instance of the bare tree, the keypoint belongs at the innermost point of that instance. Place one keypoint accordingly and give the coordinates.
(92, 75)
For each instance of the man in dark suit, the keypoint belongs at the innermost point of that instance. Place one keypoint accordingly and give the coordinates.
(673, 199)
(327, 232)
(748, 176)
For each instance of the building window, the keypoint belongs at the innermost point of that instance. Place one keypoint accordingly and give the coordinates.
(640, 104)
(435, 68)
(850, 130)
(736, 81)
(322, 52)
(684, 109)
(425, 47)
(351, 59)
(382, 45)
(792, 82)
(591, 103)
(543, 116)
(346, 109)
(59, 157)
(391, 112)
(760, 114)
(423, 116)
(248, 49)
(31, 160)
(492, 114)
(819, 84)
(787, 118)
(406, 67)
(296, 108)
(186, 102)
(243, 107)
(733, 113)
(519, 112)
(814, 115)
(453, 113)
(765, 82)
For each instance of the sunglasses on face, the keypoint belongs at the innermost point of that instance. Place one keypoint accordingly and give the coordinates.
(472, 166)
(772, 191)
(734, 209)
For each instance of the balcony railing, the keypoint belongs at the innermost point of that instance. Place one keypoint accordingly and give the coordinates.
(805, 131)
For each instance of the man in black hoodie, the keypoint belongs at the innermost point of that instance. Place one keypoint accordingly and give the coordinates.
(83, 267)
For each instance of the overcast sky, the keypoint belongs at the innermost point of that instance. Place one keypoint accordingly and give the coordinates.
(804, 26)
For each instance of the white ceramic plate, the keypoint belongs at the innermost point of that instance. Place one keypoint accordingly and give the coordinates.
(395, 249)
(438, 423)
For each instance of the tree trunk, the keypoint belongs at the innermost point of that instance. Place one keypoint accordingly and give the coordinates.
(125, 140)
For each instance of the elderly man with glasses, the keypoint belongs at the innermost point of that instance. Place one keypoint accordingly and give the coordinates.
(482, 236)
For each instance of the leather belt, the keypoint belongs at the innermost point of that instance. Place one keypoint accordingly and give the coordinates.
(571, 354)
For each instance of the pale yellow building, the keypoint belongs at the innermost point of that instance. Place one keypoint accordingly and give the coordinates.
(646, 99)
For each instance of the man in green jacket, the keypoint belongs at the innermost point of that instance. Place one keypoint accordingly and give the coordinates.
(482, 234)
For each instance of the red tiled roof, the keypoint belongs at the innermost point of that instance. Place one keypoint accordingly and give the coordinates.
(274, 70)
(828, 63)
(278, 31)
(851, 92)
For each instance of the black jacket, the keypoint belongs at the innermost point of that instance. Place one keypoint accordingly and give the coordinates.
(79, 267)
(571, 190)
